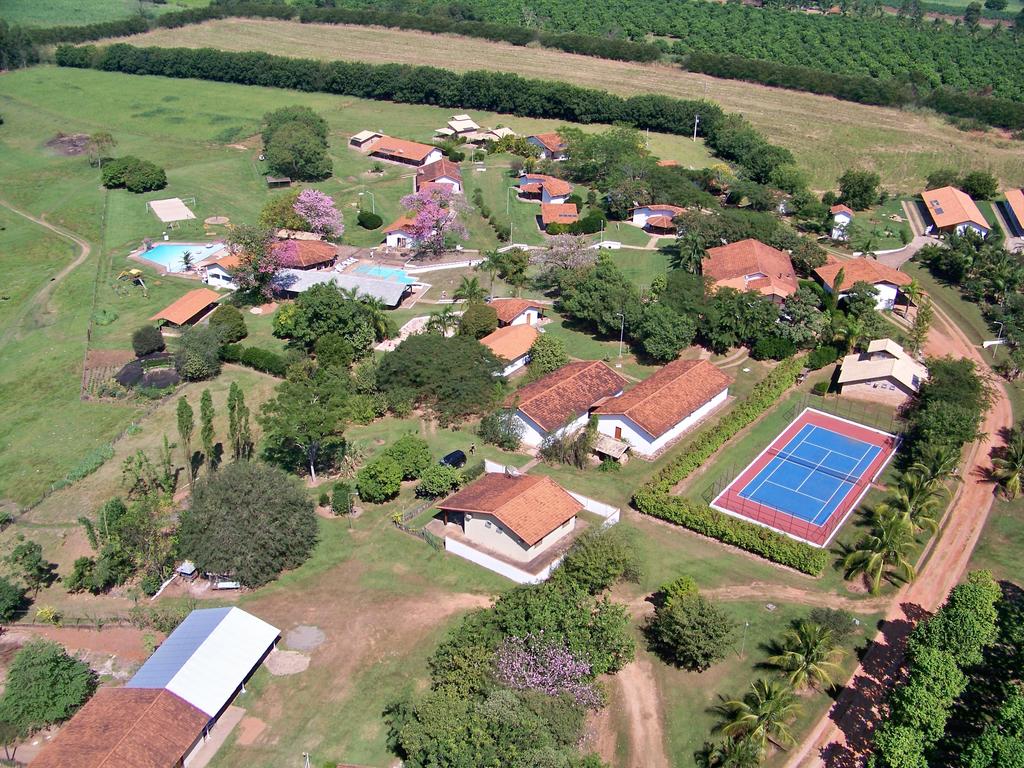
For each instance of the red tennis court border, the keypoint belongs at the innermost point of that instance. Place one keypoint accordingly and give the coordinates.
(730, 502)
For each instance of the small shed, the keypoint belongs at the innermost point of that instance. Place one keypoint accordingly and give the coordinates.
(278, 182)
(363, 138)
(189, 309)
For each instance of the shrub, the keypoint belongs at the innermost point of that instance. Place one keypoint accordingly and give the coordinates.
(599, 559)
(772, 348)
(257, 358)
(502, 429)
(412, 454)
(198, 355)
(379, 480)
(821, 388)
(341, 499)
(133, 174)
(835, 620)
(146, 340)
(44, 686)
(439, 480)
(160, 379)
(822, 356)
(688, 630)
(368, 220)
(334, 350)
(12, 599)
(229, 320)
(478, 320)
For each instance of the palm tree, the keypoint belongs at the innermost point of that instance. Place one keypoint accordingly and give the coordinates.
(469, 291)
(380, 321)
(850, 329)
(732, 753)
(762, 715)
(887, 547)
(689, 253)
(186, 261)
(491, 264)
(918, 499)
(1008, 468)
(443, 321)
(808, 653)
(937, 463)
(913, 293)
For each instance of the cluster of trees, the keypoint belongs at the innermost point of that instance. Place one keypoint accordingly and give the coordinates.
(17, 48)
(354, 323)
(133, 174)
(512, 684)
(408, 458)
(733, 138)
(304, 210)
(295, 143)
(981, 185)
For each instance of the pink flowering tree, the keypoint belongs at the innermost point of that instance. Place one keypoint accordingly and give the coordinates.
(260, 260)
(320, 213)
(435, 213)
(534, 663)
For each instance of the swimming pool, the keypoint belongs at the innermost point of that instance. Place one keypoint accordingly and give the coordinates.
(171, 256)
(384, 273)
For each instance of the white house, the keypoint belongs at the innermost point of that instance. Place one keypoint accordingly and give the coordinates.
(560, 403)
(842, 217)
(656, 216)
(887, 281)
(512, 344)
(663, 406)
(546, 189)
(217, 272)
(404, 152)
(885, 373)
(519, 517)
(953, 210)
(550, 144)
(440, 173)
(516, 311)
(398, 234)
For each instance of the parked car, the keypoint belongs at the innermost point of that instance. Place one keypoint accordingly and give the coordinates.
(455, 459)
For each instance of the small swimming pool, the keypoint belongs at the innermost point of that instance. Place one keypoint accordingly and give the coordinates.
(171, 256)
(384, 273)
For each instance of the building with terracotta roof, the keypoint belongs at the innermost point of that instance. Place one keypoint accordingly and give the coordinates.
(218, 271)
(516, 516)
(953, 210)
(551, 145)
(547, 189)
(557, 213)
(664, 405)
(1013, 211)
(750, 265)
(127, 728)
(442, 173)
(560, 403)
(516, 311)
(512, 344)
(189, 309)
(398, 234)
(656, 217)
(883, 373)
(306, 254)
(404, 152)
(887, 281)
(842, 218)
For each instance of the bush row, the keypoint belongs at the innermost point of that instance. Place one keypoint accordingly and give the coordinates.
(257, 358)
(730, 136)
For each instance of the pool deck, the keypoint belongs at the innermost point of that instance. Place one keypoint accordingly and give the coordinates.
(138, 255)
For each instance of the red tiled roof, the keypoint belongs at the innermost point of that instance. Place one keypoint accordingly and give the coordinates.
(660, 222)
(950, 207)
(552, 184)
(670, 395)
(407, 150)
(558, 213)
(551, 141)
(188, 306)
(571, 391)
(667, 163)
(841, 209)
(511, 341)
(126, 728)
(509, 309)
(669, 210)
(736, 265)
(532, 188)
(306, 253)
(860, 270)
(1015, 199)
(401, 224)
(437, 169)
(529, 506)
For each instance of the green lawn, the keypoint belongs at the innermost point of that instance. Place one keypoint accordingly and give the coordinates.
(873, 230)
(54, 13)
(640, 266)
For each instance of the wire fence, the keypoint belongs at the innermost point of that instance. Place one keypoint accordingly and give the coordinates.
(861, 412)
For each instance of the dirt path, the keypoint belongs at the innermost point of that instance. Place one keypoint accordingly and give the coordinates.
(42, 296)
(641, 704)
(842, 738)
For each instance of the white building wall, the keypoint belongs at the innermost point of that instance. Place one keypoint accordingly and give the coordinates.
(533, 434)
(515, 365)
(486, 531)
(433, 157)
(397, 240)
(500, 567)
(961, 228)
(640, 441)
(530, 316)
(219, 278)
(547, 197)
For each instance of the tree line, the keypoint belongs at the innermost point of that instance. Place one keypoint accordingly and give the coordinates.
(729, 135)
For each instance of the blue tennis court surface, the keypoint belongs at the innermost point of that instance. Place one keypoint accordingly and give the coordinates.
(812, 474)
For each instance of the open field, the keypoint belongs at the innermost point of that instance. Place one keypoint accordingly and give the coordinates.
(827, 136)
(53, 13)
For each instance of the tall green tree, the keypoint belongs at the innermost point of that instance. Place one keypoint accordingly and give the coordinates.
(859, 189)
(886, 549)
(26, 559)
(206, 431)
(239, 431)
(762, 715)
(689, 252)
(1008, 466)
(469, 291)
(917, 499)
(44, 686)
(186, 425)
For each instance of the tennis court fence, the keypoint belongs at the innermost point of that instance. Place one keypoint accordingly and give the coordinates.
(779, 520)
(852, 410)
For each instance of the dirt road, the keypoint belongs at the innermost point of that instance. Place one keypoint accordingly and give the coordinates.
(842, 738)
(641, 703)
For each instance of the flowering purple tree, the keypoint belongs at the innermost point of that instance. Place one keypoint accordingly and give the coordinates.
(260, 259)
(319, 212)
(533, 663)
(435, 218)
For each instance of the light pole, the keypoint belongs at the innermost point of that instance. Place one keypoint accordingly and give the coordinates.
(511, 218)
(373, 201)
(622, 331)
(696, 122)
(743, 646)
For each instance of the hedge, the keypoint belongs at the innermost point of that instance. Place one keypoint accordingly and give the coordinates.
(257, 358)
(653, 498)
(731, 139)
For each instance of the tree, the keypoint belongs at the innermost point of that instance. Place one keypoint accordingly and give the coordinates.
(412, 454)
(319, 212)
(478, 320)
(512, 266)
(917, 499)
(306, 414)
(972, 15)
(28, 562)
(936, 463)
(206, 433)
(943, 177)
(333, 350)
(887, 548)
(198, 355)
(297, 152)
(12, 600)
(922, 324)
(546, 355)
(599, 559)
(230, 322)
(239, 433)
(439, 480)
(1008, 467)
(379, 480)
(801, 320)
(44, 686)
(491, 264)
(469, 291)
(731, 753)
(663, 333)
(260, 259)
(808, 655)
(99, 145)
(444, 322)
(250, 521)
(762, 715)
(996, 5)
(981, 185)
(502, 429)
(601, 297)
(279, 213)
(186, 424)
(860, 299)
(326, 309)
(859, 189)
(436, 219)
(689, 631)
(146, 340)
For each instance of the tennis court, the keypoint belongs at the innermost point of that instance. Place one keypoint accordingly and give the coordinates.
(810, 478)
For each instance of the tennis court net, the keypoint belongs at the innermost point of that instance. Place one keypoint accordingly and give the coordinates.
(852, 479)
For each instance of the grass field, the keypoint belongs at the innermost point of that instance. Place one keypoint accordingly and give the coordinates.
(53, 13)
(827, 136)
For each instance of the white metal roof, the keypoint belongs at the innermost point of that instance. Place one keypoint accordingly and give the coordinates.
(170, 210)
(207, 658)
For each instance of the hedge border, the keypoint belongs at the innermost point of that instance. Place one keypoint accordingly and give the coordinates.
(653, 498)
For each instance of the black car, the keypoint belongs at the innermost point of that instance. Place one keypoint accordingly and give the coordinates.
(455, 459)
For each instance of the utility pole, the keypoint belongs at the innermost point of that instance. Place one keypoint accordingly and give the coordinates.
(622, 331)
(696, 122)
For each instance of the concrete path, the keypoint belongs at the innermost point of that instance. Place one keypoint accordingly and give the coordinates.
(897, 259)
